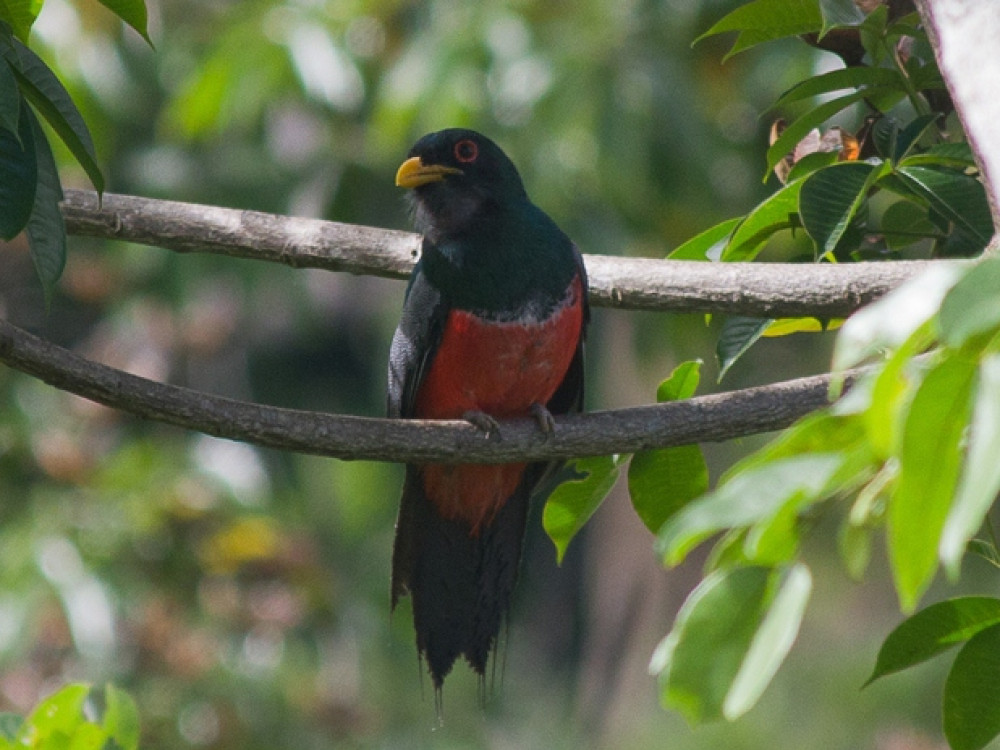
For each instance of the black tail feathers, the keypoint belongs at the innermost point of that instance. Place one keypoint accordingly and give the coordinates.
(461, 584)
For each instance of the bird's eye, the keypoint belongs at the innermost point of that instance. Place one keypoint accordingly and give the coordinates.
(466, 151)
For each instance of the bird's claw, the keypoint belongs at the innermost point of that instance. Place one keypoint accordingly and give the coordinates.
(543, 417)
(483, 421)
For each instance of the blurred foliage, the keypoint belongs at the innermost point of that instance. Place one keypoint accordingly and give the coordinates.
(240, 595)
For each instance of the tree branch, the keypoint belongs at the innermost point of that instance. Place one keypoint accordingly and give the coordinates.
(715, 417)
(757, 289)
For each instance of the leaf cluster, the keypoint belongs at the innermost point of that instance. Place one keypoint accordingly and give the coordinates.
(909, 451)
(77, 716)
(30, 189)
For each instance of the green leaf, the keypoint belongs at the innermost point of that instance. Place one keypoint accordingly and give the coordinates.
(778, 212)
(980, 481)
(892, 387)
(812, 162)
(56, 719)
(738, 334)
(972, 693)
(929, 463)
(891, 320)
(573, 502)
(840, 13)
(972, 307)
(682, 383)
(903, 223)
(121, 718)
(661, 482)
(872, 33)
(798, 129)
(854, 543)
(701, 656)
(787, 326)
(765, 20)
(10, 99)
(934, 630)
(830, 198)
(750, 496)
(18, 178)
(838, 80)
(20, 15)
(10, 724)
(729, 639)
(959, 197)
(41, 87)
(707, 245)
(951, 155)
(46, 231)
(771, 643)
(910, 136)
(132, 12)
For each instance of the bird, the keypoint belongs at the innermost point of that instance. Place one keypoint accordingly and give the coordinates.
(492, 328)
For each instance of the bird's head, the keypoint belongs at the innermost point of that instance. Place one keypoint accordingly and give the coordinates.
(456, 175)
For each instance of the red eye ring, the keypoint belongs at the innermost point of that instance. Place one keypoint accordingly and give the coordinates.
(466, 151)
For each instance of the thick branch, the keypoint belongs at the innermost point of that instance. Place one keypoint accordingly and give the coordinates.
(706, 418)
(759, 289)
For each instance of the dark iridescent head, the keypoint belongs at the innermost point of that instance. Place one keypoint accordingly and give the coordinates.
(455, 175)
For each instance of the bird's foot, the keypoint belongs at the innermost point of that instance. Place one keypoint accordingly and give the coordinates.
(484, 422)
(543, 417)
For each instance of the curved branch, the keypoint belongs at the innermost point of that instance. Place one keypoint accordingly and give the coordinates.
(756, 289)
(703, 419)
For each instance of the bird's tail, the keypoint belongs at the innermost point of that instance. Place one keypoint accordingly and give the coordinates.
(460, 580)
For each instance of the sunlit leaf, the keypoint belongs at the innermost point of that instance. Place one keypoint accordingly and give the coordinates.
(573, 502)
(132, 12)
(932, 630)
(661, 482)
(972, 693)
(57, 719)
(729, 639)
(765, 20)
(707, 245)
(701, 656)
(10, 724)
(21, 15)
(121, 718)
(980, 481)
(972, 307)
(788, 326)
(771, 643)
(930, 459)
(748, 497)
(891, 320)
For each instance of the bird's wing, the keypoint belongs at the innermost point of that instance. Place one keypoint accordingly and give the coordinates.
(414, 343)
(569, 395)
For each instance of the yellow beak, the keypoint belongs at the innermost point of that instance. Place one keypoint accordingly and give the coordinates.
(414, 173)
